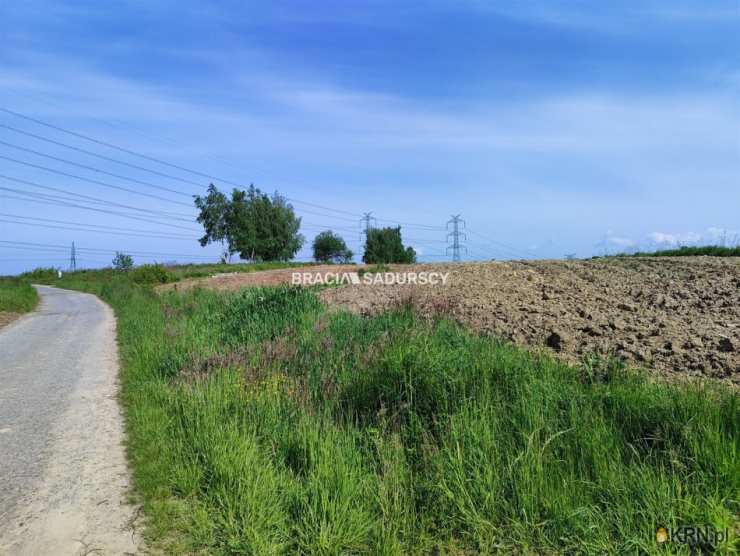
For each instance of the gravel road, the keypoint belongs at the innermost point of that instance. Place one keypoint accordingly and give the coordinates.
(64, 476)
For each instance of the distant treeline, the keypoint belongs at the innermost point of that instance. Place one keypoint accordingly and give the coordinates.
(706, 250)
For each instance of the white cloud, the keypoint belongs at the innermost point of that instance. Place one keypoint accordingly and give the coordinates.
(619, 241)
(675, 238)
(712, 235)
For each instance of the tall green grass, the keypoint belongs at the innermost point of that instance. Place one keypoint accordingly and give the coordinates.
(17, 296)
(152, 273)
(261, 424)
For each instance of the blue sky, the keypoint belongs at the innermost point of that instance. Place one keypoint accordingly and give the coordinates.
(551, 127)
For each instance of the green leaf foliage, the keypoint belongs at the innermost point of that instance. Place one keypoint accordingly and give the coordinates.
(254, 225)
(330, 247)
(384, 246)
(122, 261)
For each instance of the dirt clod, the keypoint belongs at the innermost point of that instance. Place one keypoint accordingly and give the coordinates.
(726, 346)
(555, 340)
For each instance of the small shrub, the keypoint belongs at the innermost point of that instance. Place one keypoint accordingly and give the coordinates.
(41, 274)
(152, 274)
(122, 261)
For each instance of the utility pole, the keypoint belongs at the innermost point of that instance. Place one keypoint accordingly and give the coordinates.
(73, 259)
(367, 222)
(457, 224)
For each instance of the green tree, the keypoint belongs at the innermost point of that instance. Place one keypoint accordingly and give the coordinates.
(258, 227)
(330, 247)
(214, 215)
(384, 246)
(122, 261)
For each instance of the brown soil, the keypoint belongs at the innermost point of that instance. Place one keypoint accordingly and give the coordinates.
(237, 280)
(671, 315)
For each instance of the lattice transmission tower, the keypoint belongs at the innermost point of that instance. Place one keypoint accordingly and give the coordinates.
(73, 258)
(457, 224)
(368, 222)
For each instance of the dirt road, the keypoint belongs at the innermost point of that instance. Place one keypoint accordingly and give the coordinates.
(62, 463)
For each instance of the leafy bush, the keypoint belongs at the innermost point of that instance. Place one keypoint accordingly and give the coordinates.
(152, 274)
(41, 274)
(122, 261)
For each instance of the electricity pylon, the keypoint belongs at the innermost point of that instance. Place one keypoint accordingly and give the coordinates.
(367, 222)
(73, 259)
(456, 234)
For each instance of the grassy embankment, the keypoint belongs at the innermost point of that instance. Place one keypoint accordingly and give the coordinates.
(17, 296)
(261, 424)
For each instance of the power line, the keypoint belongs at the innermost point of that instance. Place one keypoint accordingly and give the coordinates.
(324, 227)
(111, 122)
(105, 232)
(326, 215)
(93, 225)
(412, 225)
(51, 200)
(98, 200)
(511, 249)
(104, 143)
(420, 240)
(130, 179)
(175, 166)
(62, 201)
(141, 168)
(93, 169)
(53, 247)
(155, 172)
(43, 199)
(156, 160)
(96, 182)
(102, 157)
(91, 228)
(23, 259)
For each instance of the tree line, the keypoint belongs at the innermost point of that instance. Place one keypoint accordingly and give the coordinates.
(259, 227)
